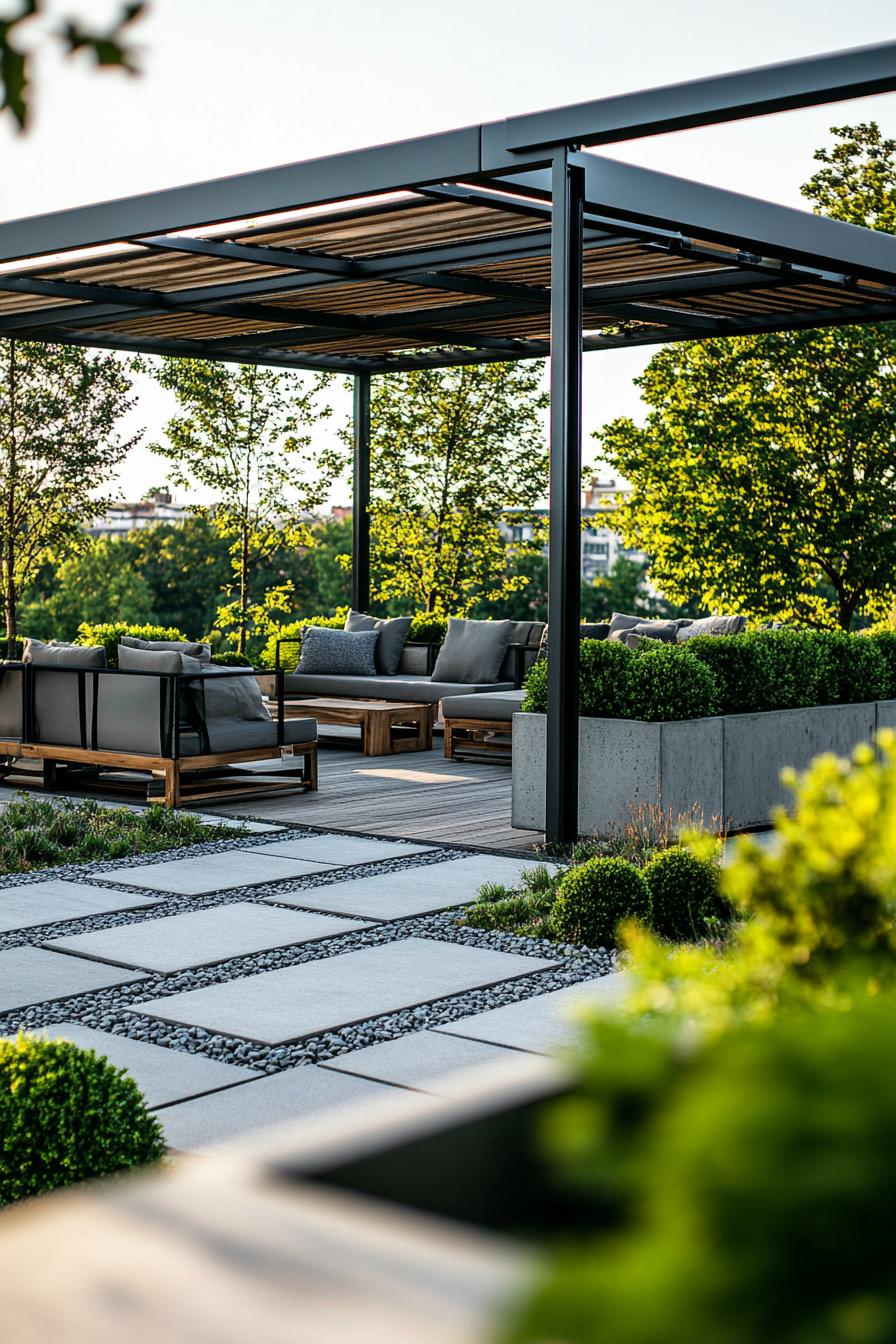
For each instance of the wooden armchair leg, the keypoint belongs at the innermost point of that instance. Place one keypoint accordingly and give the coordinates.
(172, 783)
(449, 740)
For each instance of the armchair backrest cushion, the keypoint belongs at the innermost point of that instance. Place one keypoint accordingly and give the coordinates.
(63, 655)
(192, 649)
(473, 651)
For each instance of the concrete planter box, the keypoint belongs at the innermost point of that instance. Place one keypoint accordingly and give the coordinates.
(729, 766)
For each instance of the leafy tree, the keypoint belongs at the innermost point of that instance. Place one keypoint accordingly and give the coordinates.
(764, 479)
(528, 603)
(242, 435)
(186, 566)
(450, 449)
(58, 411)
(108, 47)
(91, 586)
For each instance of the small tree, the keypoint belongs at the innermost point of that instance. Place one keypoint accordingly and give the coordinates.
(58, 411)
(243, 436)
(450, 450)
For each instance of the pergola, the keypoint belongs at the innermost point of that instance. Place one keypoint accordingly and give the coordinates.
(501, 241)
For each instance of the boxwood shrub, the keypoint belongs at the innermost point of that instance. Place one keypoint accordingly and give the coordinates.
(604, 676)
(853, 669)
(67, 1114)
(668, 683)
(685, 898)
(595, 897)
(110, 635)
(885, 643)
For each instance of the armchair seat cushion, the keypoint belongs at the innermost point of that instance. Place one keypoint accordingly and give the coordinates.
(413, 688)
(493, 705)
(247, 735)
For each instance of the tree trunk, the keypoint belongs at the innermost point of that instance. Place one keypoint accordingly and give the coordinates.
(244, 588)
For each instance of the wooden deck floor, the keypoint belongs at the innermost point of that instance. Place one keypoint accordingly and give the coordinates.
(415, 796)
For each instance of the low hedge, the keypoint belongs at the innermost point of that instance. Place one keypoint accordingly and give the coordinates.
(110, 635)
(67, 1115)
(756, 672)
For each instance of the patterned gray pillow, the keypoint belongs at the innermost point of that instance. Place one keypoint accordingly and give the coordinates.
(342, 653)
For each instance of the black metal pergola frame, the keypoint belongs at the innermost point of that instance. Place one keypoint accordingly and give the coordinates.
(526, 246)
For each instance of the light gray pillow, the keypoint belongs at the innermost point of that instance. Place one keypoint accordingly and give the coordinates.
(63, 655)
(619, 621)
(159, 661)
(343, 653)
(230, 698)
(192, 649)
(473, 651)
(665, 631)
(389, 646)
(712, 625)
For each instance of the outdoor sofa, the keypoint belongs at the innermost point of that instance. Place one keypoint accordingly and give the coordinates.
(165, 711)
(476, 658)
(481, 724)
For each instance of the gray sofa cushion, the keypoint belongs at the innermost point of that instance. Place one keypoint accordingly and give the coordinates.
(338, 652)
(11, 681)
(246, 735)
(63, 705)
(491, 705)
(228, 697)
(194, 650)
(389, 646)
(419, 690)
(712, 625)
(63, 655)
(162, 662)
(521, 632)
(473, 651)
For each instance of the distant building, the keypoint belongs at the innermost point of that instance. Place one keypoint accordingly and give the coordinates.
(123, 518)
(601, 546)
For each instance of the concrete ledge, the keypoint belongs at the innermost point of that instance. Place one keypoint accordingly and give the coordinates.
(728, 767)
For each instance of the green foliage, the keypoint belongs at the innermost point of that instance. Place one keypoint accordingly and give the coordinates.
(885, 643)
(39, 833)
(740, 1189)
(292, 630)
(231, 660)
(109, 48)
(525, 911)
(243, 436)
(595, 897)
(67, 1115)
(853, 669)
(451, 449)
(59, 411)
(110, 635)
(427, 628)
(85, 589)
(667, 683)
(685, 900)
(763, 476)
(604, 674)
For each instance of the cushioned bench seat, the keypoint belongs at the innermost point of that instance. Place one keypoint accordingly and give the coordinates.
(246, 735)
(480, 724)
(491, 705)
(414, 688)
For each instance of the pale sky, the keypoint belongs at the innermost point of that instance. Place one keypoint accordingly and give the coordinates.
(229, 86)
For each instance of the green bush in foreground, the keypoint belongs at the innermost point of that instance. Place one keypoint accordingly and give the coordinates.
(66, 1115)
(742, 1187)
(38, 833)
(110, 636)
(685, 901)
(595, 897)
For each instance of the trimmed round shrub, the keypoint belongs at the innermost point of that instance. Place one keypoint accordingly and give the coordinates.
(66, 1115)
(668, 682)
(685, 901)
(733, 661)
(885, 643)
(852, 668)
(604, 673)
(594, 897)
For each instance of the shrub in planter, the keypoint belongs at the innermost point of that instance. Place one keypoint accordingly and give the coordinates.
(67, 1114)
(685, 901)
(231, 660)
(604, 675)
(292, 630)
(789, 665)
(427, 628)
(595, 897)
(110, 636)
(852, 669)
(734, 663)
(885, 643)
(668, 683)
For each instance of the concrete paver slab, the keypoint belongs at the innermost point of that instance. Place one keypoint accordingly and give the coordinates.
(297, 1001)
(32, 975)
(163, 1075)
(213, 872)
(411, 891)
(542, 1024)
(268, 1101)
(199, 937)
(33, 903)
(425, 1060)
(341, 850)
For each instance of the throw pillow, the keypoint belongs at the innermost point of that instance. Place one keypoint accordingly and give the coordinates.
(619, 621)
(231, 697)
(345, 653)
(666, 631)
(162, 662)
(63, 655)
(472, 652)
(193, 650)
(389, 646)
(713, 625)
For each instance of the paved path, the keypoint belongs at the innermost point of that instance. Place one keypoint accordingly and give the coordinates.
(282, 973)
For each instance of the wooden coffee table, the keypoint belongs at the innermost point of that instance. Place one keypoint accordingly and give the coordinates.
(387, 726)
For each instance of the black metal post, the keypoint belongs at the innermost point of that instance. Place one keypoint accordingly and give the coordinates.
(565, 541)
(361, 496)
